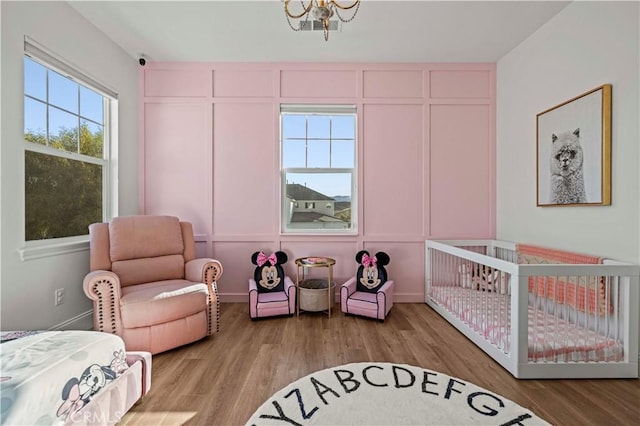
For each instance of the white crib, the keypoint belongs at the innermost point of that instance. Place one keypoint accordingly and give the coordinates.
(538, 321)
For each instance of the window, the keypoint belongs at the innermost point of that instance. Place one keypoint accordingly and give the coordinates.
(318, 147)
(66, 132)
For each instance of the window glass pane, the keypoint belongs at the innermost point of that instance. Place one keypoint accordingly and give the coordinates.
(343, 127)
(35, 79)
(294, 126)
(63, 130)
(318, 153)
(293, 153)
(319, 127)
(62, 197)
(63, 92)
(318, 201)
(91, 105)
(35, 121)
(91, 139)
(342, 154)
(326, 184)
(339, 185)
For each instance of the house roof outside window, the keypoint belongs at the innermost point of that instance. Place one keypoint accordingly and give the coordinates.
(302, 193)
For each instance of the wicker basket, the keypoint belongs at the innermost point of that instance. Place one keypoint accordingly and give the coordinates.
(313, 294)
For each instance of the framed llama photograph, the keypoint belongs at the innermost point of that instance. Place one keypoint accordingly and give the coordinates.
(573, 156)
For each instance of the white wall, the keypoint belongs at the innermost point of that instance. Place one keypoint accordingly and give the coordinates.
(584, 46)
(27, 287)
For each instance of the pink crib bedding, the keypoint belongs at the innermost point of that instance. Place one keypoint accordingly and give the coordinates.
(549, 339)
(64, 377)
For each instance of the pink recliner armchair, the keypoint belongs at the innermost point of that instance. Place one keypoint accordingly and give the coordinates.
(369, 293)
(147, 286)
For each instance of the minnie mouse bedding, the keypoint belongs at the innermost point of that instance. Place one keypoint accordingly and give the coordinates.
(49, 377)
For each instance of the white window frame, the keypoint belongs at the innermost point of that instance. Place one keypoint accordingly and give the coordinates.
(319, 110)
(55, 246)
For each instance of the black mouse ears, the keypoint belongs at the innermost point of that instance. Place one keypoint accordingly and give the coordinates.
(379, 259)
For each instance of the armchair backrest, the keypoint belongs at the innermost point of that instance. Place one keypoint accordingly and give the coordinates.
(142, 248)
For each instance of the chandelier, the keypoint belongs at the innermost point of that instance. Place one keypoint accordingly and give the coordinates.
(320, 10)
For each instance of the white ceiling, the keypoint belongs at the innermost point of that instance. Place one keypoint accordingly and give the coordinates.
(257, 31)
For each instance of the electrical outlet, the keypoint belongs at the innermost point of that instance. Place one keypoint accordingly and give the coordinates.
(59, 296)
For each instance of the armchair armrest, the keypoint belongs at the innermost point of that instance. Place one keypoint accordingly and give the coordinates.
(252, 285)
(203, 270)
(384, 296)
(207, 271)
(288, 283)
(387, 288)
(253, 298)
(292, 292)
(103, 287)
(346, 290)
(349, 286)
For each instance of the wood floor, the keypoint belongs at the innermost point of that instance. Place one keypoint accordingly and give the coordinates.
(223, 379)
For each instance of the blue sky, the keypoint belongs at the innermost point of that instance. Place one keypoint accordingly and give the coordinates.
(68, 100)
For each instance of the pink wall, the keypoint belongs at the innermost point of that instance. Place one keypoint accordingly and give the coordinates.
(426, 159)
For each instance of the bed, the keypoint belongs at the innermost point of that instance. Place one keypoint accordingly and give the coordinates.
(539, 312)
(69, 377)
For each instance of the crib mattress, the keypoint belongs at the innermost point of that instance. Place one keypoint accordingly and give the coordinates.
(47, 377)
(550, 339)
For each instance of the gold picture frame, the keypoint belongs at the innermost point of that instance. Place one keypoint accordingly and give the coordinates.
(573, 151)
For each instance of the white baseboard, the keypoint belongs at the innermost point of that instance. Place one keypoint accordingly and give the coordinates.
(83, 321)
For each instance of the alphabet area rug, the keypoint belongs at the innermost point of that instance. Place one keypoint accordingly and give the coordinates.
(387, 394)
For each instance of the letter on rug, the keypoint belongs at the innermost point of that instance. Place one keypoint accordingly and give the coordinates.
(395, 369)
(450, 388)
(426, 382)
(356, 384)
(304, 413)
(366, 378)
(490, 411)
(317, 384)
(280, 415)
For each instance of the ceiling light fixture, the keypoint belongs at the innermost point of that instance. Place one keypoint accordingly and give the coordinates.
(320, 10)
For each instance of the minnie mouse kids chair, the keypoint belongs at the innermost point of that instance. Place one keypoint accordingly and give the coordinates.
(369, 293)
(271, 293)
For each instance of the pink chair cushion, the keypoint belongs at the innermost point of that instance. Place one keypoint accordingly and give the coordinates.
(144, 270)
(363, 300)
(161, 301)
(146, 248)
(279, 296)
(133, 237)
